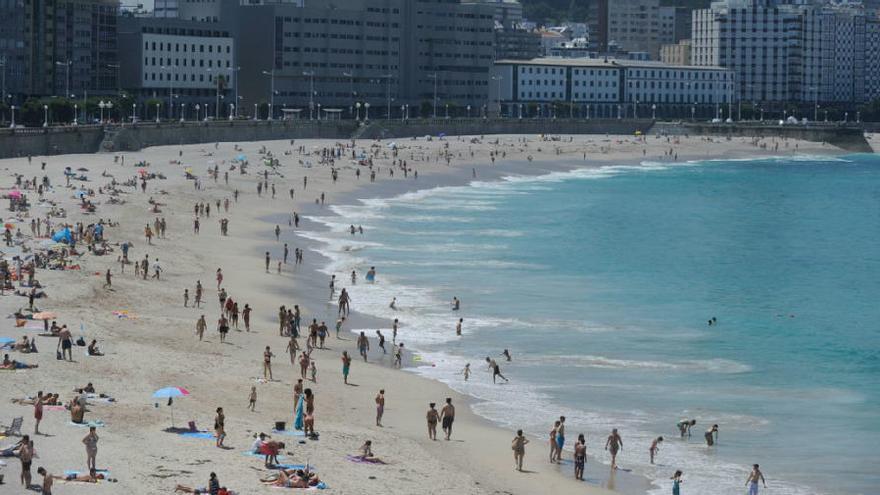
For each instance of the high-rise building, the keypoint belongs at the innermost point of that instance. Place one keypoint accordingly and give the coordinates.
(805, 51)
(641, 26)
(508, 13)
(872, 59)
(13, 55)
(517, 44)
(70, 46)
(387, 53)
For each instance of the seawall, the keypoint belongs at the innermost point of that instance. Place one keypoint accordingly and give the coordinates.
(115, 138)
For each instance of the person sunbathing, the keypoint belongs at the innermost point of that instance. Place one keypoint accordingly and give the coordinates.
(88, 389)
(289, 478)
(23, 345)
(93, 349)
(92, 477)
(11, 364)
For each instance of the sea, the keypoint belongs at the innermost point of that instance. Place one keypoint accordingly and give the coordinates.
(601, 282)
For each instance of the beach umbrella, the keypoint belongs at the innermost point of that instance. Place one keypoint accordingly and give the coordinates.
(15, 193)
(45, 315)
(169, 393)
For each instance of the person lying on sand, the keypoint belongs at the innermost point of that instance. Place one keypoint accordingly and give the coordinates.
(92, 477)
(11, 364)
(289, 478)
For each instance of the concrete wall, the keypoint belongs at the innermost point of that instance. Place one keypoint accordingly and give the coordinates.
(51, 141)
(847, 138)
(91, 139)
(143, 135)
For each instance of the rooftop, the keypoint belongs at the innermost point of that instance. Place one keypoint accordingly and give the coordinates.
(604, 63)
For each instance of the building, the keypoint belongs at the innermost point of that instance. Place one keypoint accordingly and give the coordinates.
(518, 44)
(388, 53)
(13, 55)
(811, 52)
(677, 54)
(178, 63)
(641, 25)
(70, 46)
(551, 39)
(508, 13)
(576, 48)
(872, 59)
(611, 88)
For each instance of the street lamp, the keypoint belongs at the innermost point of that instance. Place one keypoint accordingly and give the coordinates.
(133, 113)
(366, 111)
(157, 112)
(182, 112)
(311, 75)
(447, 110)
(319, 111)
(102, 106)
(231, 110)
(75, 113)
(588, 111)
(520, 111)
(694, 111)
(357, 116)
(45, 115)
(197, 112)
(406, 111)
(402, 114)
(469, 111)
(654, 111)
(12, 124)
(255, 111)
(271, 75)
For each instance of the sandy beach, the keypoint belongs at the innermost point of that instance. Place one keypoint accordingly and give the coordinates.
(147, 335)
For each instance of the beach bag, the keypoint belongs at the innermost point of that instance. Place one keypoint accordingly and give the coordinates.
(58, 355)
(81, 342)
(280, 425)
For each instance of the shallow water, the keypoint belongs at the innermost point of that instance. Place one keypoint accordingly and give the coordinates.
(601, 282)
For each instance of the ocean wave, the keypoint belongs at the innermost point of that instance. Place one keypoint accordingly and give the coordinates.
(722, 366)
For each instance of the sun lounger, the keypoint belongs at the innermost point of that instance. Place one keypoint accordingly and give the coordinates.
(15, 428)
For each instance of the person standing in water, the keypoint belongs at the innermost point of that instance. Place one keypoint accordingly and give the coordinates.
(495, 369)
(752, 481)
(676, 483)
(560, 438)
(614, 444)
(519, 449)
(655, 447)
(711, 435)
(684, 427)
(580, 457)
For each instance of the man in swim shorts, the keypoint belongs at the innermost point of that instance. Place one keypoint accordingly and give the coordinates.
(447, 417)
(752, 481)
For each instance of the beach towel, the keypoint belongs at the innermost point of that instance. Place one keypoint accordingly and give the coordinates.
(360, 460)
(290, 433)
(197, 434)
(289, 466)
(73, 472)
(261, 456)
(96, 423)
(298, 414)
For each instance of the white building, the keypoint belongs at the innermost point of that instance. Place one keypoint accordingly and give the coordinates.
(188, 61)
(614, 85)
(813, 52)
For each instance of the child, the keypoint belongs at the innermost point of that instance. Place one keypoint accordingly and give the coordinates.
(314, 372)
(466, 371)
(252, 400)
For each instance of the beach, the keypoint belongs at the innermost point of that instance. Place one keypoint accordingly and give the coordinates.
(148, 338)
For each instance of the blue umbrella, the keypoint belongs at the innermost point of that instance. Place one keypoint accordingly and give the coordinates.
(4, 341)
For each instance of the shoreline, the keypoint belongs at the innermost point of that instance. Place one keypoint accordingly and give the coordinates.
(157, 348)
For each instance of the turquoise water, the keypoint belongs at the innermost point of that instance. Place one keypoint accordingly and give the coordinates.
(600, 283)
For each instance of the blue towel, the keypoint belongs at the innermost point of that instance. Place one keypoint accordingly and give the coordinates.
(261, 456)
(289, 466)
(197, 434)
(73, 472)
(290, 433)
(298, 415)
